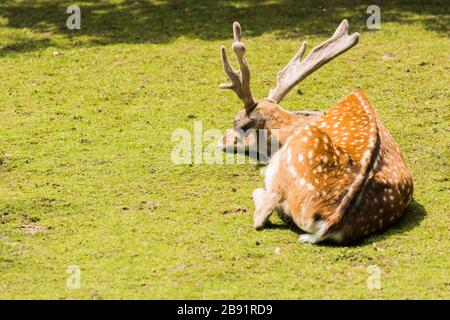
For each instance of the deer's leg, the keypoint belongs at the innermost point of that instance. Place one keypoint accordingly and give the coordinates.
(265, 202)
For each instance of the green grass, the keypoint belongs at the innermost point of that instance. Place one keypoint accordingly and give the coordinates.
(85, 144)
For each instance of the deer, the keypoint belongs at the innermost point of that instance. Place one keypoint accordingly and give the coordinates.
(338, 175)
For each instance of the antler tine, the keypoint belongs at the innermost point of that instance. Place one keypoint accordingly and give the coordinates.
(240, 79)
(232, 74)
(296, 70)
(296, 58)
(236, 32)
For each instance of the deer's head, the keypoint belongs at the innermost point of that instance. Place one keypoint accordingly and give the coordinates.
(266, 113)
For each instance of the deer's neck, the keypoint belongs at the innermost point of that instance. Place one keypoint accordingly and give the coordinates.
(283, 124)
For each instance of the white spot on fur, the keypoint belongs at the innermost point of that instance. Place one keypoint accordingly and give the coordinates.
(293, 171)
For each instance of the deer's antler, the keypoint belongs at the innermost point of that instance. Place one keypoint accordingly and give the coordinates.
(297, 70)
(240, 79)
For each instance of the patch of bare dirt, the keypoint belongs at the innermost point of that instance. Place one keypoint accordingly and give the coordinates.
(32, 228)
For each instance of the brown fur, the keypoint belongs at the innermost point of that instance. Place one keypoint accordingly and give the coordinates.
(343, 156)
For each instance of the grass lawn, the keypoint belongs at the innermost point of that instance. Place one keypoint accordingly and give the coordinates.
(86, 178)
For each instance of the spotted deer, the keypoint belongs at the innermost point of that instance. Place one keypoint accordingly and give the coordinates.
(338, 175)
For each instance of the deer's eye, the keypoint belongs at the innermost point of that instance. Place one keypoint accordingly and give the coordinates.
(242, 126)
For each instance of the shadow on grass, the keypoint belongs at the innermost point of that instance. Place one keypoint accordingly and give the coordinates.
(412, 217)
(146, 21)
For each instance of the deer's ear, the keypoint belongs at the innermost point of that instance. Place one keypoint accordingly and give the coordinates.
(243, 125)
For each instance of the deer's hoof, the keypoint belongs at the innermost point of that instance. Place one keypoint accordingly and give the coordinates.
(258, 226)
(258, 222)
